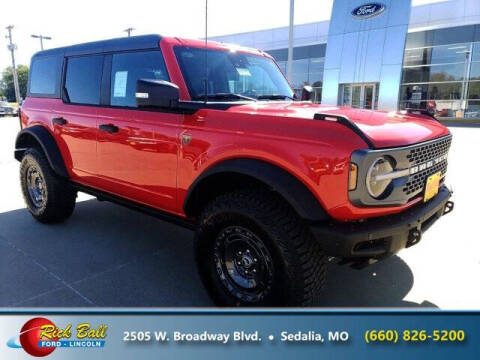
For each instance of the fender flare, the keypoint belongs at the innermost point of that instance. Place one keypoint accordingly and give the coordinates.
(40, 135)
(279, 180)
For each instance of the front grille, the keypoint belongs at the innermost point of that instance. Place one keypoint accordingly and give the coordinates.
(424, 154)
(413, 164)
(428, 152)
(417, 182)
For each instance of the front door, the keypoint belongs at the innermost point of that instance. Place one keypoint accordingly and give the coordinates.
(137, 149)
(356, 96)
(361, 96)
(368, 96)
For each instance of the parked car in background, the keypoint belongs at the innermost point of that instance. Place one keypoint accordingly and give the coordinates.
(7, 109)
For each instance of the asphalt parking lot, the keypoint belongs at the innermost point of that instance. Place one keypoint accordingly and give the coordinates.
(109, 256)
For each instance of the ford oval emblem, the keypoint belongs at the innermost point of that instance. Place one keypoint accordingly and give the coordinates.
(368, 10)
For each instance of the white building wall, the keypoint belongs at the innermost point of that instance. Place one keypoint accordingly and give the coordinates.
(444, 14)
(304, 34)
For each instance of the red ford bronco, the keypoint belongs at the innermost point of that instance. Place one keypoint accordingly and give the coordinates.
(212, 137)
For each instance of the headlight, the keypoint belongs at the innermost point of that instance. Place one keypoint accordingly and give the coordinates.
(375, 185)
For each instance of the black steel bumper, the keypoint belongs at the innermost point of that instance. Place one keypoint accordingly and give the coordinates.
(378, 238)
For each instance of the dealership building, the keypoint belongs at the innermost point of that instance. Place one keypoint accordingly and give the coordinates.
(385, 54)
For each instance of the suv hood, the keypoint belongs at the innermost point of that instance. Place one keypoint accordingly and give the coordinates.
(383, 129)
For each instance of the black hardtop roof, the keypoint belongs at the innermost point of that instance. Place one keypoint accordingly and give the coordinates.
(96, 47)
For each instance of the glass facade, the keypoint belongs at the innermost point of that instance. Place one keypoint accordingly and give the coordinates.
(473, 105)
(442, 73)
(307, 67)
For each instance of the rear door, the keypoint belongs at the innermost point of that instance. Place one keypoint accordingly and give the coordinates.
(137, 148)
(75, 118)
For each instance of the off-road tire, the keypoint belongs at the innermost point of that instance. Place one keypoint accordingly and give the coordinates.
(59, 195)
(299, 265)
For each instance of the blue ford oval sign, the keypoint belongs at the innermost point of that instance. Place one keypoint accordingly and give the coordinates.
(368, 10)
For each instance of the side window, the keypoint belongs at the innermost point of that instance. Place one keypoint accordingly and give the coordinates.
(43, 75)
(127, 68)
(83, 79)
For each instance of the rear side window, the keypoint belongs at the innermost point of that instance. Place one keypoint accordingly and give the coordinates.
(127, 68)
(83, 79)
(43, 75)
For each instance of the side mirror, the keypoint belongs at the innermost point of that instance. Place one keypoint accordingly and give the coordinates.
(157, 93)
(307, 93)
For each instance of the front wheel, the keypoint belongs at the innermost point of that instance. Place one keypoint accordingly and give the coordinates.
(252, 249)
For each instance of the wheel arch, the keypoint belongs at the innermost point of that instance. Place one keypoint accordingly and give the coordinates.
(38, 136)
(251, 172)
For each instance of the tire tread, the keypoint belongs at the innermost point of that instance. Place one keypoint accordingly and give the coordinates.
(60, 195)
(305, 263)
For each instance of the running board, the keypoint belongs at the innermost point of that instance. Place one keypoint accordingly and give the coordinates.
(104, 196)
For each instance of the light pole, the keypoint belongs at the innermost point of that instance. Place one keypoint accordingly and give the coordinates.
(129, 31)
(12, 47)
(41, 37)
(290, 42)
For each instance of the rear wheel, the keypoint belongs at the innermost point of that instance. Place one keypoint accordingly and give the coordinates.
(48, 197)
(252, 249)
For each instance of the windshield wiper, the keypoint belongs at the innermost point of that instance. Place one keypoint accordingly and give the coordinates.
(274, 97)
(224, 96)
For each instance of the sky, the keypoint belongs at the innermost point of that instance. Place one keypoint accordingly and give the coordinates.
(70, 22)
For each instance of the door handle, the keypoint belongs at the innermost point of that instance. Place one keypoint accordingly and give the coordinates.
(59, 121)
(109, 128)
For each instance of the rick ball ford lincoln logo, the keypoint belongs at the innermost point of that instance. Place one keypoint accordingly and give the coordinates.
(368, 10)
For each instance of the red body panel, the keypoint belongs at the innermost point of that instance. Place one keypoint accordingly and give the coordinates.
(140, 161)
(382, 128)
(77, 138)
(147, 162)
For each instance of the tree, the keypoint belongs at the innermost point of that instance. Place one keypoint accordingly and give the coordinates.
(6, 83)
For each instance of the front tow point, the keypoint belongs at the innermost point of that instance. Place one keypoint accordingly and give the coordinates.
(448, 207)
(414, 237)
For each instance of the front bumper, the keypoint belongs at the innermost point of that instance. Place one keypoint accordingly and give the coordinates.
(378, 238)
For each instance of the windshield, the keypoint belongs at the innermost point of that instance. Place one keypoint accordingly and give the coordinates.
(231, 75)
